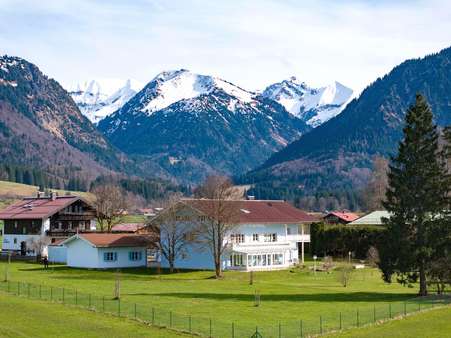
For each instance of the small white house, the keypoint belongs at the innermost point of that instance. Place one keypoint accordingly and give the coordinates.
(268, 235)
(106, 251)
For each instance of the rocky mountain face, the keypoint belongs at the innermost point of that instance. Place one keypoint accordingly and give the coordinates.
(337, 155)
(98, 99)
(312, 105)
(193, 125)
(41, 126)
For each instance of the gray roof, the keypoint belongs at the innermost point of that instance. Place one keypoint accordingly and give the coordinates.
(373, 218)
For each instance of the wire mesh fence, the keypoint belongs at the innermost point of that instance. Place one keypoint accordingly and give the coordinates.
(207, 327)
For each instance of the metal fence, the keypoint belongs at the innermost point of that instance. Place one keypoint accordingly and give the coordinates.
(207, 327)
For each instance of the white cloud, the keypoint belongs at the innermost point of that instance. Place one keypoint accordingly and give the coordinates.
(251, 43)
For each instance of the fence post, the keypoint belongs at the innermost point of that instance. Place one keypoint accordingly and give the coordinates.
(18, 288)
(103, 303)
(233, 330)
(51, 293)
(321, 324)
(389, 309)
(210, 328)
(28, 290)
(89, 297)
(76, 297)
(301, 328)
(374, 314)
(40, 291)
(170, 318)
(153, 316)
(405, 309)
(280, 330)
(341, 326)
(118, 307)
(63, 295)
(419, 306)
(8, 286)
(189, 324)
(135, 310)
(358, 318)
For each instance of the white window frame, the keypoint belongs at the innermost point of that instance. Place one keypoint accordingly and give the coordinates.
(110, 256)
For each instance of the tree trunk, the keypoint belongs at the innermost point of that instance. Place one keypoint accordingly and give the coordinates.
(171, 266)
(218, 271)
(423, 282)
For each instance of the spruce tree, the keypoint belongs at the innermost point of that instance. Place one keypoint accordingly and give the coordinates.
(417, 191)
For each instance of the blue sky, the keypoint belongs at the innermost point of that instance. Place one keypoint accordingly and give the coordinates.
(250, 43)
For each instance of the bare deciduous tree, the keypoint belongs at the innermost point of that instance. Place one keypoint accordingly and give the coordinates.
(109, 203)
(223, 212)
(173, 235)
(374, 193)
(38, 245)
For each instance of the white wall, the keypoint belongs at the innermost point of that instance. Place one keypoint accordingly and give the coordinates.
(8, 241)
(81, 254)
(57, 253)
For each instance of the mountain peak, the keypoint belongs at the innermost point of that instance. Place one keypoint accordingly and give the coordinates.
(313, 105)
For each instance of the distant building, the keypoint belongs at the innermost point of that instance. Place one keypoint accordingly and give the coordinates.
(268, 235)
(107, 251)
(44, 219)
(373, 218)
(337, 217)
(128, 227)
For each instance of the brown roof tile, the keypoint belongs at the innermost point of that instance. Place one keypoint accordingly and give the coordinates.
(255, 211)
(37, 208)
(109, 240)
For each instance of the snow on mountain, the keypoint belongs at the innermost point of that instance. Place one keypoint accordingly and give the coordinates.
(97, 99)
(172, 86)
(313, 105)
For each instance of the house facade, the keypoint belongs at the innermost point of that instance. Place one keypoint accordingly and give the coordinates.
(267, 235)
(106, 251)
(34, 222)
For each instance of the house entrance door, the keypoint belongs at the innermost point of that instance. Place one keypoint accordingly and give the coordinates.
(23, 248)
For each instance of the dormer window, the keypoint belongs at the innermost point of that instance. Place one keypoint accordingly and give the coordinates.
(255, 238)
(237, 238)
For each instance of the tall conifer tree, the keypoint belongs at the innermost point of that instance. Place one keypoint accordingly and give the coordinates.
(416, 198)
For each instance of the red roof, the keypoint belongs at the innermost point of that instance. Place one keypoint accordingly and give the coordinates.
(37, 208)
(254, 211)
(345, 216)
(127, 227)
(108, 240)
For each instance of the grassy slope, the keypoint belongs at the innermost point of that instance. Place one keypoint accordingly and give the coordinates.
(20, 317)
(14, 190)
(285, 295)
(434, 323)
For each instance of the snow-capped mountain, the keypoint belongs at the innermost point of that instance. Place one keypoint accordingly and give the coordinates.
(208, 125)
(97, 99)
(313, 105)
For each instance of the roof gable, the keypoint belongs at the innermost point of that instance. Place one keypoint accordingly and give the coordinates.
(110, 240)
(37, 208)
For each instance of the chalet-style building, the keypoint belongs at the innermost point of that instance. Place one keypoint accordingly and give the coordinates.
(340, 217)
(44, 219)
(266, 235)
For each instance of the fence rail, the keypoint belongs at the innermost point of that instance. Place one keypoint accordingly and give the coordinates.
(207, 327)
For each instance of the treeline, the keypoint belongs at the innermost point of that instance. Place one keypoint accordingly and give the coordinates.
(30, 176)
(149, 189)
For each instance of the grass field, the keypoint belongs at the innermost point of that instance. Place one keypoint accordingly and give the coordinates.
(431, 324)
(21, 317)
(11, 190)
(286, 297)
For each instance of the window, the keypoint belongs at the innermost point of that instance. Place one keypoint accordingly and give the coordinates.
(270, 238)
(255, 237)
(69, 225)
(135, 255)
(24, 230)
(236, 260)
(277, 259)
(288, 231)
(110, 256)
(237, 238)
(60, 225)
(15, 240)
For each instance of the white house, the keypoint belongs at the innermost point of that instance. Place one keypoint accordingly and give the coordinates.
(105, 251)
(268, 235)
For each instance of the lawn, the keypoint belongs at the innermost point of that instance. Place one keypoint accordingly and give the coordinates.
(21, 317)
(286, 296)
(434, 323)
